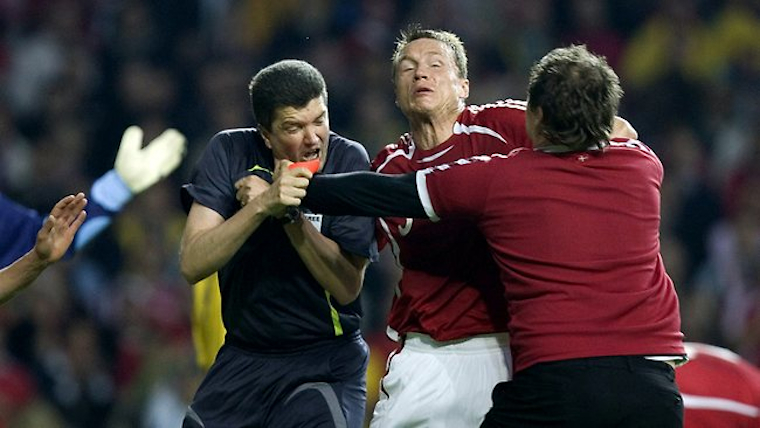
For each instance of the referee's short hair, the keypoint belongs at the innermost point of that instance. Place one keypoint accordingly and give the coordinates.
(286, 83)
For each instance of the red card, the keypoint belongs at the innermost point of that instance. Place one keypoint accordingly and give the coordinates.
(312, 165)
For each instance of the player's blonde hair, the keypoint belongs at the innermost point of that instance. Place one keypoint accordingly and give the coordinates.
(415, 31)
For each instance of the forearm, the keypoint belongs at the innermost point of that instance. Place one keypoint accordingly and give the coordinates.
(338, 272)
(108, 197)
(205, 252)
(20, 274)
(365, 194)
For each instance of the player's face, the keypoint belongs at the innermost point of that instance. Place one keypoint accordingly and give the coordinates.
(300, 134)
(427, 81)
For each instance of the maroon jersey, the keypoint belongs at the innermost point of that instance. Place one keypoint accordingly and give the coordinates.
(576, 240)
(719, 389)
(449, 287)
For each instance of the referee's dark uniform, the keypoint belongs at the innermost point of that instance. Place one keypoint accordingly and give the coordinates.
(293, 356)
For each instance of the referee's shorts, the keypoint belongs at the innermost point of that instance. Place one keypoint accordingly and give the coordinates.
(321, 386)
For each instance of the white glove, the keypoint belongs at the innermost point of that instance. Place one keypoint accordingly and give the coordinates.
(141, 167)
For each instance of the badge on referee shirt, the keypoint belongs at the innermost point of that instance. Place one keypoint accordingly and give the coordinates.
(315, 219)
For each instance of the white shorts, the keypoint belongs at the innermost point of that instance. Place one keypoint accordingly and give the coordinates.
(442, 384)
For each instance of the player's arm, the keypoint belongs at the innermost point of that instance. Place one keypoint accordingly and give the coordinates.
(18, 230)
(136, 169)
(209, 241)
(53, 240)
(365, 194)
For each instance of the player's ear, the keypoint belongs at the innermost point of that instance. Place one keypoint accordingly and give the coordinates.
(266, 135)
(464, 88)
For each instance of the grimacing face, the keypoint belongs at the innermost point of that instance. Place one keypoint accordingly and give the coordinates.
(300, 134)
(427, 81)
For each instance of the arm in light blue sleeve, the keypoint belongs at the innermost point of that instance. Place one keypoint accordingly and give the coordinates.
(140, 167)
(19, 225)
(108, 196)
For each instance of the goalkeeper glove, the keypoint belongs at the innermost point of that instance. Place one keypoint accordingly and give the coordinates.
(141, 167)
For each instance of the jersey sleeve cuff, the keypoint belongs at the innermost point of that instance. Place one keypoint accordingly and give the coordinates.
(111, 192)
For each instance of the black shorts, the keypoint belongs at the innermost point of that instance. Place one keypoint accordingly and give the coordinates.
(322, 386)
(601, 392)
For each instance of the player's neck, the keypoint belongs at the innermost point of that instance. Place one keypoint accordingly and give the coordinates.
(430, 132)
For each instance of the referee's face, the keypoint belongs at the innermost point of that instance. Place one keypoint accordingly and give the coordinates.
(300, 134)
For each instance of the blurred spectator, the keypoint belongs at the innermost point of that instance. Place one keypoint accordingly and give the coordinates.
(690, 200)
(734, 257)
(591, 25)
(16, 155)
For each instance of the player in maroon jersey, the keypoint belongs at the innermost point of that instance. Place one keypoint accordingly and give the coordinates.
(574, 228)
(448, 310)
(720, 389)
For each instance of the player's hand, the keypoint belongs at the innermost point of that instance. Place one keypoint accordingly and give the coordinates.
(249, 187)
(287, 189)
(141, 167)
(57, 232)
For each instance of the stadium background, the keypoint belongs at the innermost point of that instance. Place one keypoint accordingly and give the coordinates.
(104, 340)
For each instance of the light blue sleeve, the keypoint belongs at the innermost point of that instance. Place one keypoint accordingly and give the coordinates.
(108, 196)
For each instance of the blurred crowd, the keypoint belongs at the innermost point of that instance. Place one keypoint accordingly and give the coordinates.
(104, 339)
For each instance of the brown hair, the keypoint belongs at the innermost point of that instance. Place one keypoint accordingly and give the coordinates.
(579, 95)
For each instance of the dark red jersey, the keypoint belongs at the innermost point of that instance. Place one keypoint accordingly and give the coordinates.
(449, 288)
(719, 388)
(576, 240)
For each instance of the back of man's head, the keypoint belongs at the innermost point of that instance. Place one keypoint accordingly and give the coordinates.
(579, 95)
(287, 83)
